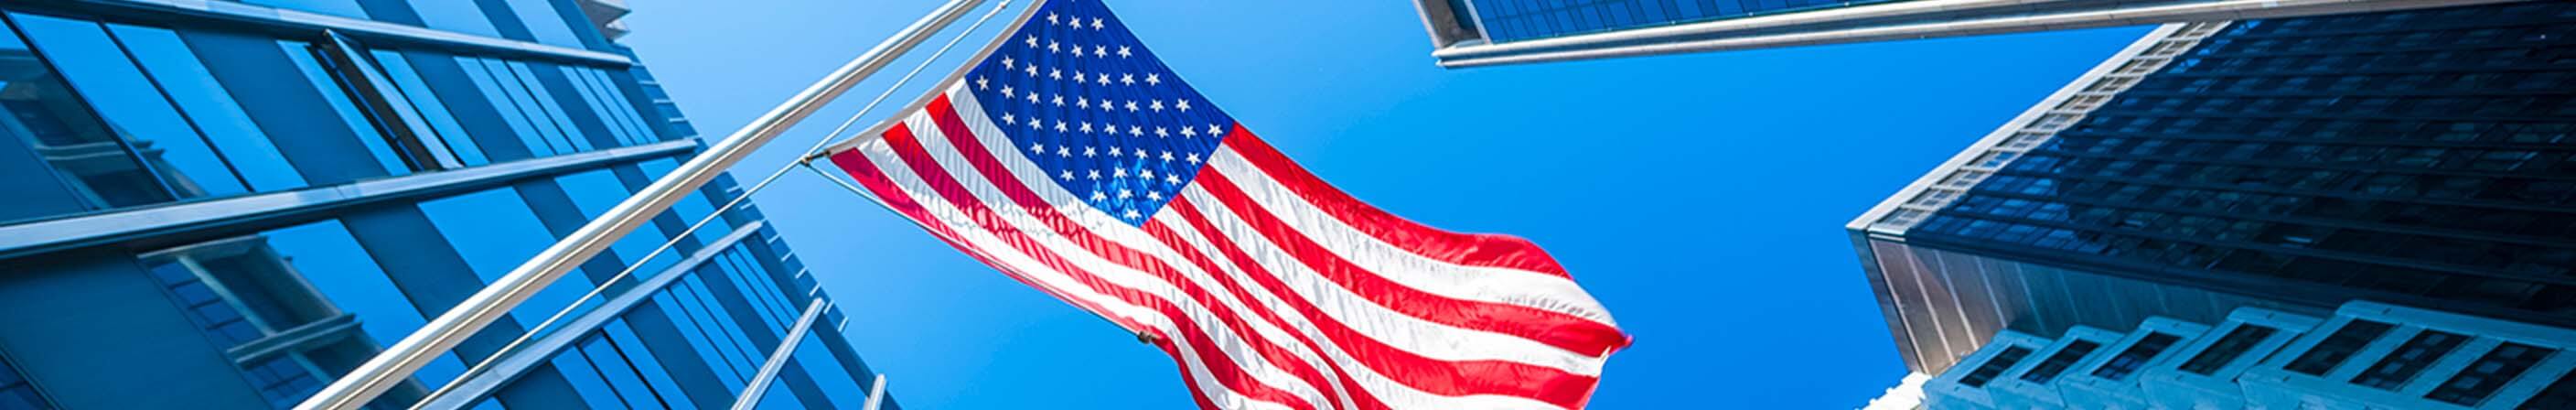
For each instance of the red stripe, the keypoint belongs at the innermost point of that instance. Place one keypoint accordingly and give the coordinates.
(1490, 250)
(866, 173)
(1447, 378)
(1569, 332)
(1215, 362)
(944, 115)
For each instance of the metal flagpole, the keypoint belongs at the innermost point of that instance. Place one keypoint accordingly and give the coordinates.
(398, 362)
(786, 349)
(876, 394)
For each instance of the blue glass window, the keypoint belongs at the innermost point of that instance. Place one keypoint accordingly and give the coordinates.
(460, 16)
(99, 69)
(545, 99)
(747, 354)
(712, 345)
(667, 388)
(531, 107)
(326, 256)
(87, 158)
(426, 102)
(15, 392)
(621, 376)
(548, 26)
(509, 106)
(329, 85)
(210, 106)
(616, 102)
(690, 208)
(586, 380)
(598, 105)
(342, 8)
(494, 231)
(843, 387)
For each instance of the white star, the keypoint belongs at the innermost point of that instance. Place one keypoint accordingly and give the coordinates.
(1214, 131)
(1095, 174)
(1153, 79)
(1127, 79)
(1160, 132)
(1033, 41)
(1032, 69)
(1051, 19)
(1184, 105)
(1095, 23)
(1124, 193)
(1154, 195)
(1147, 174)
(1104, 105)
(1065, 175)
(1157, 106)
(1098, 196)
(1061, 151)
(1058, 100)
(1055, 73)
(1060, 126)
(1033, 97)
(1051, 46)
(1006, 62)
(1118, 173)
(1008, 118)
(1033, 124)
(1140, 155)
(1099, 51)
(1086, 127)
(1036, 148)
(1122, 51)
(1077, 77)
(1113, 151)
(1171, 179)
(1103, 78)
(1006, 91)
(1131, 106)
(1131, 214)
(982, 84)
(1083, 102)
(1135, 131)
(1189, 132)
(1088, 152)
(1167, 156)
(1194, 158)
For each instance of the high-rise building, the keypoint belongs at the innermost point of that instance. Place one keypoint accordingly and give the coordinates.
(2421, 158)
(226, 205)
(1489, 32)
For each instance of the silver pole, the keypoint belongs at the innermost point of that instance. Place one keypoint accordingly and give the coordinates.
(876, 394)
(398, 362)
(786, 349)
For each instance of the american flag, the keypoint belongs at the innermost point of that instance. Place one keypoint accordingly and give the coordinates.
(1071, 159)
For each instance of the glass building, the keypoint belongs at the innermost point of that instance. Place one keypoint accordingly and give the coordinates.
(2421, 158)
(1489, 32)
(226, 205)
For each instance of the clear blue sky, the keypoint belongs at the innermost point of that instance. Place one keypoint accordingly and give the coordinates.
(1701, 197)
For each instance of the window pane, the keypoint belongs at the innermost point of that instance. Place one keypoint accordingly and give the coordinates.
(621, 377)
(2057, 363)
(843, 388)
(2338, 346)
(342, 8)
(338, 97)
(542, 21)
(495, 231)
(511, 89)
(185, 79)
(586, 380)
(458, 16)
(425, 101)
(138, 112)
(2491, 372)
(2227, 349)
(546, 103)
(598, 106)
(617, 103)
(712, 345)
(62, 130)
(647, 365)
(593, 193)
(1994, 366)
(2136, 356)
(507, 104)
(689, 208)
(2410, 358)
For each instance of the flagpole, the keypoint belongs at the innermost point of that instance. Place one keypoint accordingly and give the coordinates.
(399, 361)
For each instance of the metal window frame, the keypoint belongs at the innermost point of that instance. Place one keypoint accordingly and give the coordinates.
(312, 26)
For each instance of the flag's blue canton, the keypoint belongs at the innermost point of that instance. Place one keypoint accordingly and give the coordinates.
(1083, 99)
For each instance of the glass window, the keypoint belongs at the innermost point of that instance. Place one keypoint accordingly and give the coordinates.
(326, 256)
(690, 208)
(507, 104)
(329, 86)
(1994, 366)
(843, 388)
(426, 102)
(586, 380)
(2490, 372)
(2559, 395)
(237, 289)
(2338, 346)
(342, 8)
(545, 98)
(494, 232)
(458, 16)
(645, 364)
(2227, 349)
(542, 21)
(2136, 356)
(598, 105)
(593, 193)
(89, 159)
(712, 345)
(615, 102)
(2057, 363)
(205, 101)
(530, 106)
(139, 114)
(2410, 358)
(746, 354)
(620, 375)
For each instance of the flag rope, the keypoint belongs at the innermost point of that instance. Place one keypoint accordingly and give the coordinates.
(738, 200)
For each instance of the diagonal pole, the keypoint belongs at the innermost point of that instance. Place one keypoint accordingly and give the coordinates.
(753, 391)
(398, 362)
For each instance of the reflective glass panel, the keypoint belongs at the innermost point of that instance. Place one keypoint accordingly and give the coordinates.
(138, 112)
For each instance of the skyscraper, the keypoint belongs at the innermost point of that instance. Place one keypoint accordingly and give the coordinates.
(1468, 33)
(225, 205)
(2417, 158)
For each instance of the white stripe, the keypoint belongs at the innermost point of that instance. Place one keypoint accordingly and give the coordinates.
(1477, 283)
(975, 236)
(1117, 232)
(935, 143)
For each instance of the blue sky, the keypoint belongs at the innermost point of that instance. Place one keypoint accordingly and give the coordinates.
(1701, 196)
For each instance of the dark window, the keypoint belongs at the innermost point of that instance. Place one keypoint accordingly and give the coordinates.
(1994, 366)
(89, 158)
(2337, 347)
(2560, 395)
(2409, 359)
(2491, 372)
(2136, 356)
(16, 393)
(2057, 363)
(2227, 349)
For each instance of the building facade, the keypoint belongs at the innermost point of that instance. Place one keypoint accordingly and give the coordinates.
(2421, 158)
(226, 205)
(1466, 33)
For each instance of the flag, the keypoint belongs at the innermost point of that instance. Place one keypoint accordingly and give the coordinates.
(1071, 159)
